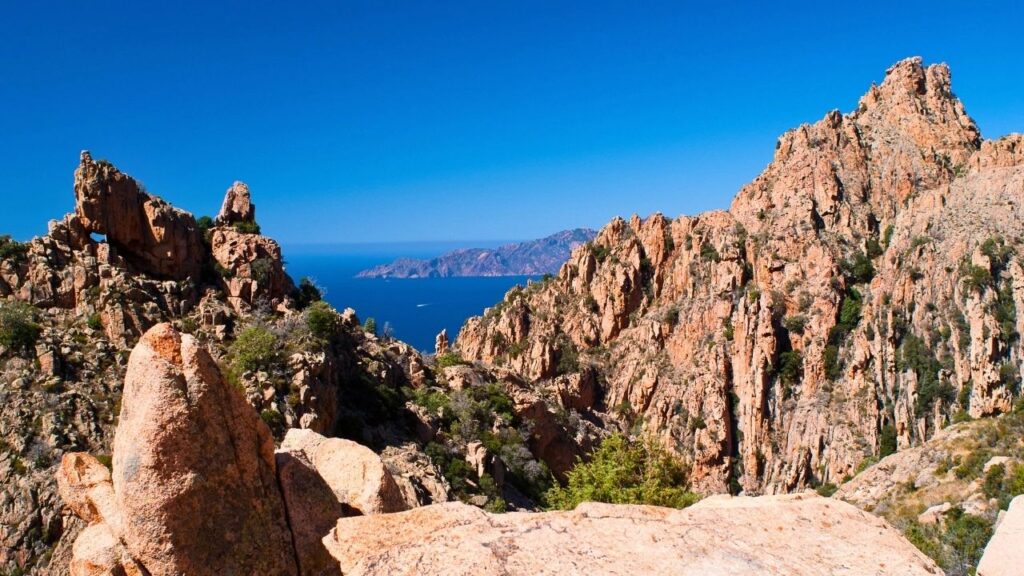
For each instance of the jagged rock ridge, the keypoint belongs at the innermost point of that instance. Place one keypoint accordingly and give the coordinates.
(861, 290)
(536, 257)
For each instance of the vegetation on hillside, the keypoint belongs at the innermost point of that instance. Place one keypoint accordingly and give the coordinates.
(621, 471)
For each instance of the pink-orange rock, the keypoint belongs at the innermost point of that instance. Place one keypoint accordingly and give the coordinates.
(721, 332)
(238, 206)
(1003, 555)
(85, 486)
(149, 233)
(253, 268)
(194, 472)
(97, 552)
(793, 535)
(312, 508)
(357, 476)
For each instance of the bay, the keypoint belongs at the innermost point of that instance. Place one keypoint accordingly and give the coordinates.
(414, 309)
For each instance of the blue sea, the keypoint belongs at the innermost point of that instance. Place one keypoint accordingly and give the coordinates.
(415, 309)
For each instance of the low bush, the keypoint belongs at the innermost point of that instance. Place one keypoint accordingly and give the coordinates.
(322, 321)
(256, 348)
(19, 330)
(247, 227)
(795, 324)
(12, 250)
(624, 472)
(307, 293)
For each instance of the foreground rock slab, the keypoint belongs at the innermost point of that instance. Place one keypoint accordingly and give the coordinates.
(795, 535)
(1004, 555)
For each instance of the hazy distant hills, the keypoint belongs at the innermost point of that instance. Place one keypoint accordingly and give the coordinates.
(544, 256)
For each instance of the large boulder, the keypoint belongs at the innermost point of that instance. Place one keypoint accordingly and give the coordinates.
(149, 233)
(1004, 555)
(794, 535)
(323, 479)
(194, 471)
(355, 474)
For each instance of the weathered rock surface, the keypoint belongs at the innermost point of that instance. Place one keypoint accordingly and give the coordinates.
(355, 474)
(251, 267)
(1004, 555)
(867, 281)
(800, 534)
(194, 472)
(238, 206)
(150, 233)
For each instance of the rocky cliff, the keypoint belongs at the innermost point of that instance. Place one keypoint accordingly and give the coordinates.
(857, 294)
(533, 258)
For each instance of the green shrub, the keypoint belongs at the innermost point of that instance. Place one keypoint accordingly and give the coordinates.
(827, 489)
(256, 348)
(874, 248)
(974, 277)
(972, 465)
(449, 359)
(624, 472)
(260, 270)
(790, 366)
(795, 324)
(322, 321)
(997, 251)
(708, 253)
(887, 441)
(830, 357)
(433, 399)
(965, 539)
(887, 236)
(370, 326)
(915, 354)
(307, 293)
(12, 250)
(247, 227)
(858, 268)
(273, 419)
(993, 484)
(568, 357)
(203, 224)
(94, 321)
(599, 251)
(18, 328)
(925, 538)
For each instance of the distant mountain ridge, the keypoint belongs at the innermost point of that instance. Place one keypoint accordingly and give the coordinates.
(544, 256)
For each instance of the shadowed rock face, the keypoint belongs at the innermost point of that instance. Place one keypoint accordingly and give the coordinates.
(154, 236)
(194, 472)
(793, 535)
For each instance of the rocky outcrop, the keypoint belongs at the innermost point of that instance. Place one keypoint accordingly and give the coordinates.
(237, 207)
(151, 234)
(801, 534)
(251, 268)
(866, 282)
(535, 257)
(358, 478)
(441, 346)
(1003, 555)
(194, 489)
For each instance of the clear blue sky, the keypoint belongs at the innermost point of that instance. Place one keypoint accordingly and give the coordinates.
(379, 121)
